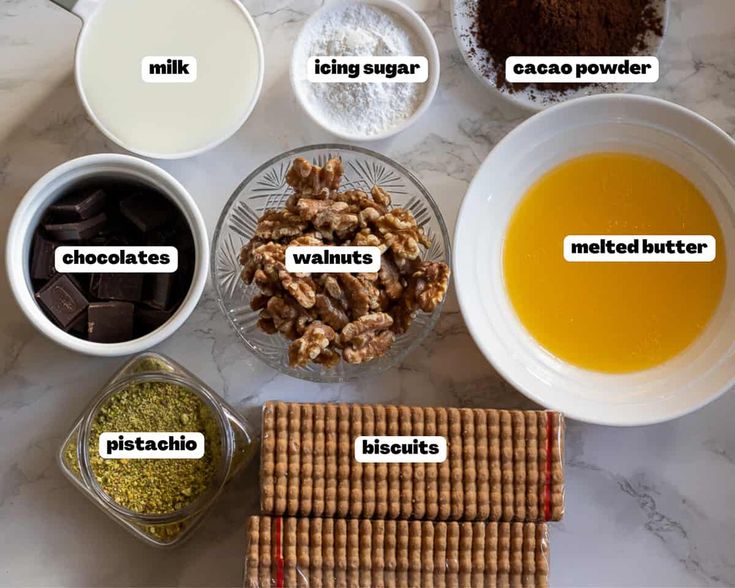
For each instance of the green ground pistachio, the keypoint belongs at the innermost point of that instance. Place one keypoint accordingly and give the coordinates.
(155, 486)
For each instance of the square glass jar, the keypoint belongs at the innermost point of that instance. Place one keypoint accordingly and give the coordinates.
(238, 446)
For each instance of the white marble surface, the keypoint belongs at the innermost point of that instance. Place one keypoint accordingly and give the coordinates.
(645, 506)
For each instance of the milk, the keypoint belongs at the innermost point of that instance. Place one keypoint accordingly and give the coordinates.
(166, 41)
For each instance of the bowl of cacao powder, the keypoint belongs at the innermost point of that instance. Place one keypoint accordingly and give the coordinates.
(490, 31)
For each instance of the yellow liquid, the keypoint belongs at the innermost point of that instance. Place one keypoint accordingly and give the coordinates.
(611, 316)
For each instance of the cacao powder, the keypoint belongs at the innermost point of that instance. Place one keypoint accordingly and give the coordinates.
(561, 27)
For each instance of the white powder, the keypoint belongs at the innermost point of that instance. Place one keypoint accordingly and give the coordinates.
(359, 108)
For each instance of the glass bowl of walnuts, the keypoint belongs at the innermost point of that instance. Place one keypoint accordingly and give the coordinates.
(331, 327)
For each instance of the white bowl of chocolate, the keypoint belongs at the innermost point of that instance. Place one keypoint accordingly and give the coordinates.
(114, 214)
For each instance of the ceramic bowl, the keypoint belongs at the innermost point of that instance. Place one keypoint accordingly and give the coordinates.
(625, 123)
(49, 188)
(415, 24)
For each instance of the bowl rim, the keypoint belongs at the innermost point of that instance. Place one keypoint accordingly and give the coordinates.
(87, 17)
(483, 338)
(323, 375)
(21, 225)
(417, 25)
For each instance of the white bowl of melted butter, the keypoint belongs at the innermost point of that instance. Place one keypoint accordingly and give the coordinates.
(648, 382)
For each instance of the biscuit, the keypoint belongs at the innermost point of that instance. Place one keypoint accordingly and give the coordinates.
(469, 451)
(267, 457)
(482, 465)
(418, 510)
(294, 458)
(391, 539)
(452, 552)
(516, 555)
(355, 467)
(496, 482)
(532, 510)
(368, 469)
(455, 459)
(252, 560)
(394, 469)
(431, 470)
(378, 554)
(414, 554)
(465, 555)
(557, 466)
(341, 539)
(440, 555)
(506, 464)
(306, 501)
(491, 555)
(519, 465)
(405, 469)
(303, 559)
(330, 452)
(445, 472)
(427, 554)
(320, 463)
(402, 554)
(478, 554)
(334, 542)
(281, 459)
(381, 469)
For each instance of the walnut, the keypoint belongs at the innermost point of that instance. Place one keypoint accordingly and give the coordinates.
(365, 238)
(302, 288)
(330, 312)
(369, 323)
(247, 261)
(431, 283)
(380, 196)
(269, 254)
(259, 301)
(403, 313)
(306, 178)
(276, 224)
(390, 278)
(335, 218)
(358, 298)
(328, 358)
(315, 339)
(283, 314)
(375, 346)
(310, 240)
(402, 234)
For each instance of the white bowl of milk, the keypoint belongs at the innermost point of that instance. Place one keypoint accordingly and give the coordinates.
(167, 79)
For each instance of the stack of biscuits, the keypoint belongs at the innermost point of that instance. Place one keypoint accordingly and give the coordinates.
(482, 511)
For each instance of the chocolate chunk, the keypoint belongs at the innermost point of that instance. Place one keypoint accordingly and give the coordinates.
(128, 287)
(147, 211)
(157, 290)
(149, 319)
(77, 231)
(79, 206)
(42, 258)
(63, 300)
(110, 322)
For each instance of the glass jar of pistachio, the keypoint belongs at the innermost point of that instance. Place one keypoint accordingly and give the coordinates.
(160, 500)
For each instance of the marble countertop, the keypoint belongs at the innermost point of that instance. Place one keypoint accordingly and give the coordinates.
(646, 506)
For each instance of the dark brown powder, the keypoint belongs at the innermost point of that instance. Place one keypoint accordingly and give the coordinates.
(562, 27)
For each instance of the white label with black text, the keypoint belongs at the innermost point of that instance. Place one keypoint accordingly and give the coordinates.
(168, 69)
(125, 259)
(581, 70)
(332, 259)
(401, 449)
(126, 445)
(367, 68)
(659, 248)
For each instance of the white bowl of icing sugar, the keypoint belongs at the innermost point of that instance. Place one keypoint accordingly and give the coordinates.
(364, 111)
